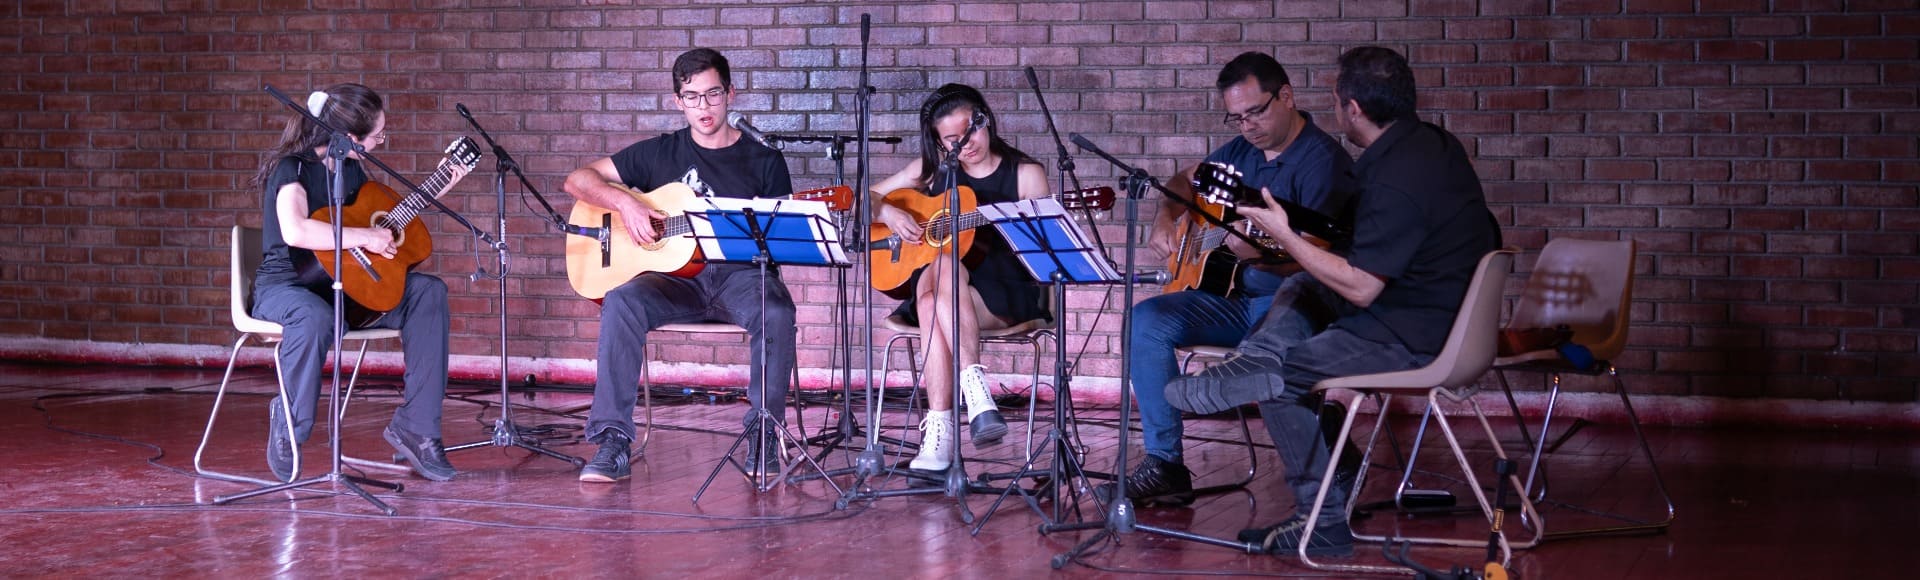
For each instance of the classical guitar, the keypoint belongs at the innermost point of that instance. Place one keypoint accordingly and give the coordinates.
(1197, 261)
(374, 284)
(893, 262)
(1221, 184)
(595, 267)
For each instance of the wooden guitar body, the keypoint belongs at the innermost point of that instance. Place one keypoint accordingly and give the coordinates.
(593, 271)
(893, 267)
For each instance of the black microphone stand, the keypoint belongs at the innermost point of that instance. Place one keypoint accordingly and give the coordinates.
(505, 433)
(338, 148)
(1120, 512)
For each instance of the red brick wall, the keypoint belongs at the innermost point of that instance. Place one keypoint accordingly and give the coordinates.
(1762, 153)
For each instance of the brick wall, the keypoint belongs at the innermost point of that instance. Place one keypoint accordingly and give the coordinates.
(1762, 153)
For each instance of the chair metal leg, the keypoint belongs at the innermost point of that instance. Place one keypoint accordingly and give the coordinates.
(353, 380)
(1246, 438)
(1659, 482)
(1326, 481)
(219, 397)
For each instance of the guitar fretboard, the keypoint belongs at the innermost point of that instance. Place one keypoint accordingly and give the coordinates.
(414, 204)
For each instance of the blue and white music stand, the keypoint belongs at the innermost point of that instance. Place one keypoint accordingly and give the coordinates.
(765, 232)
(1055, 251)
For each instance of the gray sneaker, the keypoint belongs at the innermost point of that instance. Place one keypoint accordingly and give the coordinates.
(1238, 381)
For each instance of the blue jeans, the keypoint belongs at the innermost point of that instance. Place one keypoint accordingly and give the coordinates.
(1293, 419)
(1188, 318)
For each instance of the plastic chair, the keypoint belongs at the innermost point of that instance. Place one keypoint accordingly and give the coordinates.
(1453, 374)
(244, 260)
(1035, 333)
(1587, 286)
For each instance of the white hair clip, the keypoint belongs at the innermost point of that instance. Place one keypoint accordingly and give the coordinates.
(317, 102)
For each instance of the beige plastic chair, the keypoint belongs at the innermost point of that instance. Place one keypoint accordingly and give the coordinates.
(1211, 355)
(244, 260)
(1035, 333)
(1586, 285)
(646, 375)
(1453, 374)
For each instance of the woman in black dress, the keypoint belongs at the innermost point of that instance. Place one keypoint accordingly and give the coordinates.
(995, 291)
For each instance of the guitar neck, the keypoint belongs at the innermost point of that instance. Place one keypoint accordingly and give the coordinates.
(412, 206)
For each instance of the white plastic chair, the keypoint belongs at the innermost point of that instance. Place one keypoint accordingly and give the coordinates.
(244, 261)
(1454, 374)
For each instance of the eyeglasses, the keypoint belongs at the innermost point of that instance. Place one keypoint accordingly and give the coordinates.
(710, 98)
(1234, 121)
(380, 139)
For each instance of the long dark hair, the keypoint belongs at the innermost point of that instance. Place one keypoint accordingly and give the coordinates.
(943, 102)
(349, 106)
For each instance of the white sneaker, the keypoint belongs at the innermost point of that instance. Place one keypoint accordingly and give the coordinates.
(973, 388)
(983, 417)
(936, 442)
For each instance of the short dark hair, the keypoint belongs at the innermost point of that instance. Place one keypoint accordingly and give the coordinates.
(1379, 80)
(1253, 64)
(695, 61)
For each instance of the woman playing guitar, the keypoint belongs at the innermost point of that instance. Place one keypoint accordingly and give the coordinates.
(294, 179)
(996, 290)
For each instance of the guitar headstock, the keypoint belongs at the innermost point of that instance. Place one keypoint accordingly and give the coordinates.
(1221, 184)
(1092, 198)
(838, 197)
(464, 152)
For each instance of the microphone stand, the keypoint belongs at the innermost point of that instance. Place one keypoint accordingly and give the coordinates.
(505, 433)
(339, 146)
(1120, 512)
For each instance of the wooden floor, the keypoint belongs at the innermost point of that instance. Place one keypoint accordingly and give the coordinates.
(99, 482)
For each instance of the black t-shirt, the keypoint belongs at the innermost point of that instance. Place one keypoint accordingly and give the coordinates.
(745, 169)
(1421, 222)
(283, 264)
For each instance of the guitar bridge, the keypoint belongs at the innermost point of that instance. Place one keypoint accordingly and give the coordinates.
(606, 229)
(360, 257)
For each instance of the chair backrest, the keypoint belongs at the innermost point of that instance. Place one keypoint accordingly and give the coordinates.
(1586, 285)
(244, 261)
(1471, 342)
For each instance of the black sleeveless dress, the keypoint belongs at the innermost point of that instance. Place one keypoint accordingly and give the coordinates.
(1004, 285)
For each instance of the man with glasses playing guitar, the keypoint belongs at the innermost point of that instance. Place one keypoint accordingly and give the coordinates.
(709, 158)
(1278, 148)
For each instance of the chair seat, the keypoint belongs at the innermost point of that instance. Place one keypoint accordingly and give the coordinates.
(1419, 379)
(703, 328)
(1215, 352)
(899, 325)
(273, 330)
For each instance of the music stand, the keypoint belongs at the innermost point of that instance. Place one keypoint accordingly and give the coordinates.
(764, 232)
(1055, 252)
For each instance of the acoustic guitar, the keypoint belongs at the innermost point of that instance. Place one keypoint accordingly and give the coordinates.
(374, 284)
(893, 261)
(595, 268)
(1220, 183)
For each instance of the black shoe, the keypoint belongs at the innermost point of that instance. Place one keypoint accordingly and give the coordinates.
(1283, 539)
(1155, 482)
(1240, 380)
(987, 428)
(279, 444)
(765, 456)
(426, 455)
(612, 463)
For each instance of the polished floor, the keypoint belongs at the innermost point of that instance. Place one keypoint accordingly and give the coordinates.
(99, 482)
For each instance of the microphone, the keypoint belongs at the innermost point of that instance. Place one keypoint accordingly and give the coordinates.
(462, 108)
(595, 233)
(739, 121)
(979, 119)
(1154, 277)
(1032, 79)
(1082, 141)
(866, 24)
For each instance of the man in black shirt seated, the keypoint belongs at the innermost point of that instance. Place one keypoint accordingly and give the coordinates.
(712, 158)
(1420, 228)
